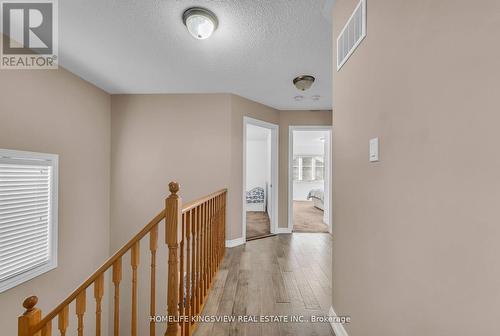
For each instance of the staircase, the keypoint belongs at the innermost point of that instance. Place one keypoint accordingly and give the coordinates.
(195, 236)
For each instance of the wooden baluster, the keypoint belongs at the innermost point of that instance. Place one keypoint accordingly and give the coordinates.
(62, 320)
(212, 254)
(188, 274)
(214, 233)
(182, 288)
(30, 317)
(47, 329)
(194, 267)
(117, 277)
(80, 310)
(216, 220)
(98, 294)
(202, 259)
(224, 214)
(134, 262)
(221, 227)
(209, 243)
(216, 229)
(173, 232)
(153, 246)
(217, 234)
(198, 267)
(209, 255)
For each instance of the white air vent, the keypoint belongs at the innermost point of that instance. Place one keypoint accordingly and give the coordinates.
(352, 34)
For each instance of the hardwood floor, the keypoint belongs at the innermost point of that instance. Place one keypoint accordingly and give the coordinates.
(308, 218)
(281, 275)
(258, 224)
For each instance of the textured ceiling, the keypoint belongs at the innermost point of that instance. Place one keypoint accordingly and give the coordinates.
(141, 46)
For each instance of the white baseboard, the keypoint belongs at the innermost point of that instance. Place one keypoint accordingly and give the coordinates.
(283, 230)
(338, 328)
(235, 242)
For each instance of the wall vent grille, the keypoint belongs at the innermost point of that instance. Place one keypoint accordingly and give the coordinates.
(352, 34)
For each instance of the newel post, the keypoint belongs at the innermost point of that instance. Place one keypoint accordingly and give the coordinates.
(30, 317)
(173, 233)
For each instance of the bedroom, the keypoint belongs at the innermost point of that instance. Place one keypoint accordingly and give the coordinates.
(310, 172)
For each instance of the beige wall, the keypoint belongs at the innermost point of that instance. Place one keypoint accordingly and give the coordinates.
(56, 112)
(416, 235)
(293, 118)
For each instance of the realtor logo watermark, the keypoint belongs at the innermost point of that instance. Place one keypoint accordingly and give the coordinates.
(30, 31)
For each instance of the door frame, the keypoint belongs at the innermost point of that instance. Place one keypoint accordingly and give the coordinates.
(328, 159)
(274, 128)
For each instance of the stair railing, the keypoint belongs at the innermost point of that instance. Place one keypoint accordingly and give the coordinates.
(195, 236)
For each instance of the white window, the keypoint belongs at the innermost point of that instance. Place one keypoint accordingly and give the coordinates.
(28, 216)
(308, 168)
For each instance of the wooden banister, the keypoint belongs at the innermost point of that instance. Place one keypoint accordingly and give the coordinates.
(197, 227)
(30, 318)
(99, 271)
(173, 233)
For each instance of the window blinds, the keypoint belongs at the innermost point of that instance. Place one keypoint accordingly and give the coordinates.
(25, 215)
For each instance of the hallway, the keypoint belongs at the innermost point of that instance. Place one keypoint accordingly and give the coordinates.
(281, 275)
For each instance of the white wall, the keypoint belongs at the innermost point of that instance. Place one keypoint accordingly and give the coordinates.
(301, 189)
(257, 164)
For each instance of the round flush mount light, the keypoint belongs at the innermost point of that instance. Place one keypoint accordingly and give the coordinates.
(303, 82)
(200, 22)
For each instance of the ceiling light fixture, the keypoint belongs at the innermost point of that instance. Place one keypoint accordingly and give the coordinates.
(200, 22)
(303, 82)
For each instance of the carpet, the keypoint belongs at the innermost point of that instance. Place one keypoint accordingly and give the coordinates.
(258, 224)
(307, 218)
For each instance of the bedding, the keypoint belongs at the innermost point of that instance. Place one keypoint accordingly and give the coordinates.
(317, 196)
(255, 195)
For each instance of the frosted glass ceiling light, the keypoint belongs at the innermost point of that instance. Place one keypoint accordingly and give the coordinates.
(200, 22)
(303, 82)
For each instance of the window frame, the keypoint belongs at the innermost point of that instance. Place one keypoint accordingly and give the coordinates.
(52, 160)
(300, 167)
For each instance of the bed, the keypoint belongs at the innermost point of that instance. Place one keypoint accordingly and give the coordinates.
(256, 199)
(318, 197)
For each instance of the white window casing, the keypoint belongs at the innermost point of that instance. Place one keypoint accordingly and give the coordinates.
(28, 216)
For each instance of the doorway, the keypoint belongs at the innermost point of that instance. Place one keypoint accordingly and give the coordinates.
(309, 179)
(260, 177)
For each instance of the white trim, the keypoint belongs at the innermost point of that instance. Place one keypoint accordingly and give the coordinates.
(24, 157)
(363, 34)
(328, 163)
(235, 242)
(274, 172)
(283, 230)
(338, 328)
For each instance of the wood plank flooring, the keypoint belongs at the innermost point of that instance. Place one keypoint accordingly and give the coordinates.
(258, 224)
(280, 275)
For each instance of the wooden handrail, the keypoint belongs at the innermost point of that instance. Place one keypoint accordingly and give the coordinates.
(193, 204)
(198, 227)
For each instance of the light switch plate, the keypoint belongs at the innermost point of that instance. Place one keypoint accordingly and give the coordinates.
(374, 150)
